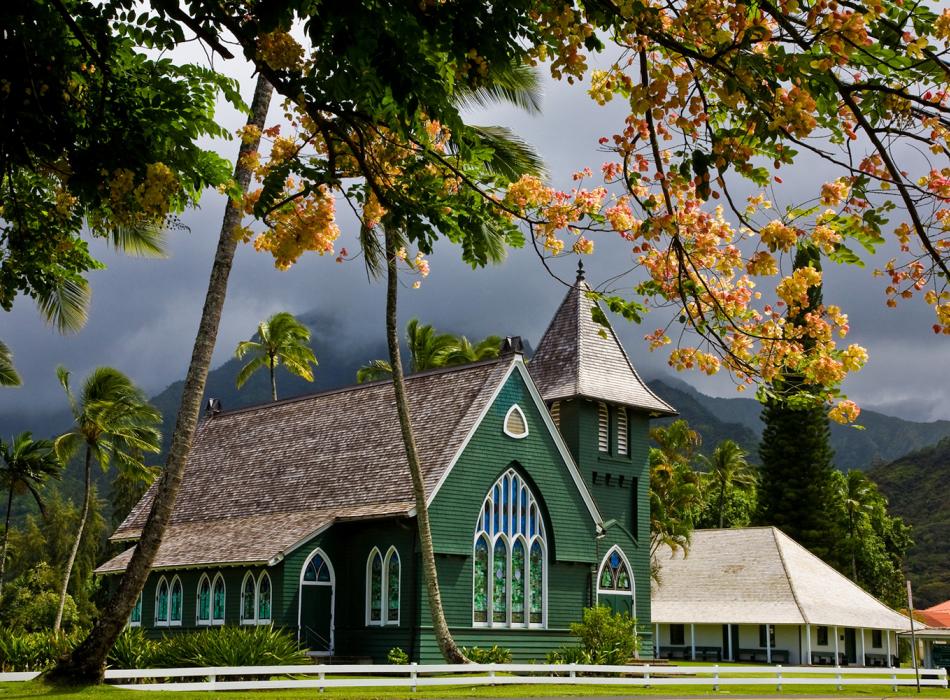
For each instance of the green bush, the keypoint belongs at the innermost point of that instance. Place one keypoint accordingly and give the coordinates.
(30, 602)
(133, 650)
(605, 637)
(230, 646)
(34, 651)
(397, 657)
(492, 655)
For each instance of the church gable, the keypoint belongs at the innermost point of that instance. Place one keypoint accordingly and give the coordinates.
(538, 456)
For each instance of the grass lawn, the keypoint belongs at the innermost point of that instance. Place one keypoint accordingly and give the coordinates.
(15, 691)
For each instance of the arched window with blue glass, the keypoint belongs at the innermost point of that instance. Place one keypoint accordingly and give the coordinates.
(615, 585)
(509, 580)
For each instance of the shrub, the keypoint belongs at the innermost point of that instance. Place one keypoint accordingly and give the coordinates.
(492, 655)
(34, 651)
(605, 637)
(133, 650)
(230, 646)
(397, 657)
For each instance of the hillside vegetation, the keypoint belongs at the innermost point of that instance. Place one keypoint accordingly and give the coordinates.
(916, 486)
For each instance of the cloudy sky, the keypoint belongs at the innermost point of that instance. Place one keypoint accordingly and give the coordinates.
(145, 312)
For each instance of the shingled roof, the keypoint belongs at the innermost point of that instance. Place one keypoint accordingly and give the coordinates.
(579, 357)
(261, 479)
(759, 575)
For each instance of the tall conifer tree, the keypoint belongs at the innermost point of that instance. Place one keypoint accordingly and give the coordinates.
(797, 460)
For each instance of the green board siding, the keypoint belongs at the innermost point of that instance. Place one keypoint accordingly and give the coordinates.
(455, 509)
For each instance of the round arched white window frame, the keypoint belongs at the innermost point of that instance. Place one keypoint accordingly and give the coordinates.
(515, 409)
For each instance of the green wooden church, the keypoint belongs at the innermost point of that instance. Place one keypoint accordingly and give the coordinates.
(299, 513)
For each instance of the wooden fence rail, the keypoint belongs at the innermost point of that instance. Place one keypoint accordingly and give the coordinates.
(416, 676)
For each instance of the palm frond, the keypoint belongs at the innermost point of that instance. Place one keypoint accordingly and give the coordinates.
(516, 84)
(373, 371)
(146, 239)
(8, 373)
(250, 368)
(66, 304)
(246, 347)
(511, 156)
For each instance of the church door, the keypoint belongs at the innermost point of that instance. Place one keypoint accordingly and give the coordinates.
(317, 588)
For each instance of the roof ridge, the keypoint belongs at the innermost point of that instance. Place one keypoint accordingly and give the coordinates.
(788, 576)
(834, 571)
(355, 387)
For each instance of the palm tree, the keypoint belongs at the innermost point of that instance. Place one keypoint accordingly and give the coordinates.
(727, 467)
(8, 373)
(858, 502)
(113, 421)
(674, 487)
(282, 339)
(25, 465)
(429, 349)
(88, 660)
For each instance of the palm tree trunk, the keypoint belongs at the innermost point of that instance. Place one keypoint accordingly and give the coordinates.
(87, 497)
(87, 662)
(440, 627)
(6, 535)
(854, 561)
(722, 503)
(273, 381)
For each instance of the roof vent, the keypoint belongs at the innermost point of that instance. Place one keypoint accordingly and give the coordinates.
(512, 344)
(580, 271)
(212, 408)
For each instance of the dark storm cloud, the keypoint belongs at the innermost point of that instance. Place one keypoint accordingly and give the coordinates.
(145, 312)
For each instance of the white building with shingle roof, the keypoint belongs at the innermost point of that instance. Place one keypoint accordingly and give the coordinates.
(754, 594)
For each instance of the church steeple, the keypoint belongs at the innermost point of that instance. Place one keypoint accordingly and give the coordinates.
(578, 357)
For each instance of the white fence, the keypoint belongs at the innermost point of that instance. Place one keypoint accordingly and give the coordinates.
(418, 676)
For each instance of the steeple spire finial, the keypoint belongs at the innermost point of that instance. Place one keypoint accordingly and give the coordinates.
(580, 271)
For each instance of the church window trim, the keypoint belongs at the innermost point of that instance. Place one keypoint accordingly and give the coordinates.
(516, 424)
(264, 599)
(386, 614)
(215, 618)
(203, 606)
(135, 617)
(603, 427)
(162, 591)
(510, 515)
(615, 562)
(176, 602)
(248, 598)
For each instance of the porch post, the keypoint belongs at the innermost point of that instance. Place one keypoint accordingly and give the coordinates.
(837, 662)
(656, 642)
(692, 640)
(889, 661)
(729, 634)
(864, 657)
(807, 660)
(768, 643)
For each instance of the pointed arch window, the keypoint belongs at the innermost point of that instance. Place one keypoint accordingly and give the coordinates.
(509, 580)
(263, 599)
(317, 571)
(603, 427)
(218, 600)
(135, 619)
(615, 577)
(623, 432)
(161, 603)
(248, 599)
(382, 587)
(175, 601)
(516, 425)
(204, 600)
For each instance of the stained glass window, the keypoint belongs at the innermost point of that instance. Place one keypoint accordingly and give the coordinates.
(614, 573)
(392, 587)
(247, 599)
(376, 587)
(537, 583)
(508, 580)
(176, 594)
(263, 598)
(500, 582)
(480, 586)
(218, 595)
(161, 602)
(204, 601)
(316, 571)
(136, 618)
(518, 571)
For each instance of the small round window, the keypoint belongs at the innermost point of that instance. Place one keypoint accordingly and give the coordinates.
(516, 425)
